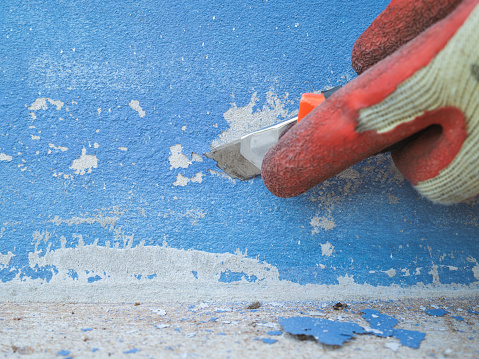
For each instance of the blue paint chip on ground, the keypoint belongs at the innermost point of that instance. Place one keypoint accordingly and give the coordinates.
(94, 279)
(409, 338)
(437, 312)
(63, 353)
(382, 324)
(268, 340)
(336, 333)
(458, 318)
(131, 351)
(473, 312)
(275, 332)
(87, 329)
(95, 350)
(324, 331)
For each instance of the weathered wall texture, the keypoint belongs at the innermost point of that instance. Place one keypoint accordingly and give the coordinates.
(105, 111)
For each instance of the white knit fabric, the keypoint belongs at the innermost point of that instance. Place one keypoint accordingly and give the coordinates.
(450, 79)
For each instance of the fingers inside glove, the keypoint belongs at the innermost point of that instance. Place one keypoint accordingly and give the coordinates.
(399, 23)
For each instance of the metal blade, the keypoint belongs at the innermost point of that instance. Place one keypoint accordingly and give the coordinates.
(242, 158)
(229, 158)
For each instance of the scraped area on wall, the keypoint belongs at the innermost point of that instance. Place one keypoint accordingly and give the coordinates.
(106, 110)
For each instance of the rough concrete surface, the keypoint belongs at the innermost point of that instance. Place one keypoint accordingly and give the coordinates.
(227, 330)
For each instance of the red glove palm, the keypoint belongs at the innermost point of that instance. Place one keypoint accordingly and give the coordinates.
(427, 89)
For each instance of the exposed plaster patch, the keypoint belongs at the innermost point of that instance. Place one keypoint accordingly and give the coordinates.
(475, 269)
(123, 148)
(35, 137)
(193, 214)
(4, 157)
(63, 149)
(179, 160)
(183, 181)
(321, 222)
(391, 272)
(41, 104)
(135, 105)
(222, 175)
(125, 265)
(126, 273)
(246, 119)
(435, 274)
(84, 164)
(327, 249)
(104, 221)
(5, 258)
(64, 175)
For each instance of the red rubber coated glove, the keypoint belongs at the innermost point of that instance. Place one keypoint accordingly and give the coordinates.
(425, 92)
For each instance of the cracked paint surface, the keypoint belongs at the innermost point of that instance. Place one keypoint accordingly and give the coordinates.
(104, 190)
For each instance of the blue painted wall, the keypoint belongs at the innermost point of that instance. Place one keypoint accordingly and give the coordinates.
(94, 95)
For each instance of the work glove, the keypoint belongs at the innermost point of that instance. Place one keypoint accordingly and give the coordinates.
(418, 91)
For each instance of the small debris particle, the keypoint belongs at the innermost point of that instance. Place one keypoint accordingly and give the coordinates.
(161, 326)
(131, 351)
(254, 305)
(437, 312)
(268, 340)
(136, 304)
(340, 306)
(268, 325)
(473, 312)
(158, 311)
(458, 318)
(275, 332)
(17, 318)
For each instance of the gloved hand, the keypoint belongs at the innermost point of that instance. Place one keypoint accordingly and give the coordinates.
(420, 88)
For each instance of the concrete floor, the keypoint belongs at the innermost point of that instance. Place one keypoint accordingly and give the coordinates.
(225, 330)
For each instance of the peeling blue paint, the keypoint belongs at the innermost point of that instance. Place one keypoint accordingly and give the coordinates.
(275, 332)
(131, 351)
(268, 340)
(336, 333)
(94, 279)
(382, 325)
(323, 330)
(229, 277)
(73, 274)
(437, 312)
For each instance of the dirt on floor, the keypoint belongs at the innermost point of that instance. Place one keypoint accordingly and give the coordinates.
(229, 330)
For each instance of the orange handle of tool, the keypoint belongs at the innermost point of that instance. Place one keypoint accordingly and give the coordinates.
(308, 102)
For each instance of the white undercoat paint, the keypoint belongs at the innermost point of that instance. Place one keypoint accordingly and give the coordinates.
(4, 157)
(135, 105)
(85, 163)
